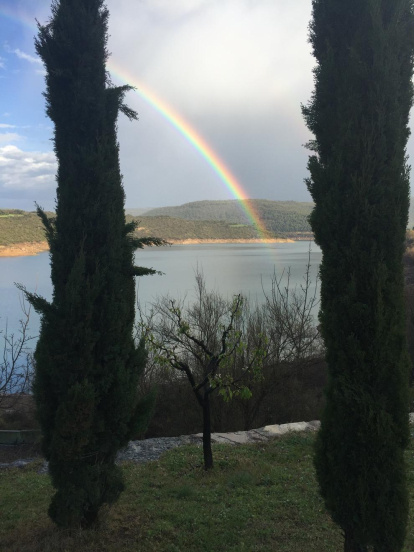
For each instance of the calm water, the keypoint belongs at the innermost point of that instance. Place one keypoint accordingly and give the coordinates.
(229, 268)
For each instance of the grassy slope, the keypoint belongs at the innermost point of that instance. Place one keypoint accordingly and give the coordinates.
(201, 218)
(19, 228)
(278, 216)
(258, 498)
(28, 228)
(179, 229)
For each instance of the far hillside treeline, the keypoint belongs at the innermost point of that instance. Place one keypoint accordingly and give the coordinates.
(170, 228)
(277, 216)
(199, 220)
(27, 228)
(18, 226)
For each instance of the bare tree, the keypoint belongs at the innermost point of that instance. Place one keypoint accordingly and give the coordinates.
(201, 341)
(266, 345)
(292, 342)
(16, 365)
(290, 318)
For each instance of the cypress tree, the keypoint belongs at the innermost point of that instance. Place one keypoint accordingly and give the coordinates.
(87, 364)
(360, 185)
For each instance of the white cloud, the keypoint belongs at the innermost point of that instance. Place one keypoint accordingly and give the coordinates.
(237, 72)
(2, 64)
(202, 56)
(10, 137)
(41, 72)
(6, 114)
(22, 55)
(3, 125)
(21, 170)
(178, 8)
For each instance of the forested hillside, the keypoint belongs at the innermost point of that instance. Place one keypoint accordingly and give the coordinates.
(171, 228)
(278, 216)
(27, 227)
(20, 226)
(201, 220)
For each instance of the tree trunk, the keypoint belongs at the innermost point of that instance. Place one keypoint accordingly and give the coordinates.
(208, 454)
(351, 545)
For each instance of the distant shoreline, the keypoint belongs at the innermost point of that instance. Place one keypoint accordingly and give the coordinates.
(191, 241)
(27, 249)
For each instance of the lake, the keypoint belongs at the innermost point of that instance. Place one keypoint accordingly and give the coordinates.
(228, 268)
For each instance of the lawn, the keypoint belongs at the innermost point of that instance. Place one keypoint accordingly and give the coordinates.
(258, 497)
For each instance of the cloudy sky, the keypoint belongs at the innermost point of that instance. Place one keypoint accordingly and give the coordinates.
(235, 70)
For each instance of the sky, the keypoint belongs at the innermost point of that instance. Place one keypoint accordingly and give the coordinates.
(236, 71)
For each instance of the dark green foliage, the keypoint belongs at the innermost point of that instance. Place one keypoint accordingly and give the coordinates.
(87, 365)
(360, 185)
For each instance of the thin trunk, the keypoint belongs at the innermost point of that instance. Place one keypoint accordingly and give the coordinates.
(208, 454)
(351, 545)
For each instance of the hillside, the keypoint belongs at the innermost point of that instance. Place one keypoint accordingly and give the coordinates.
(137, 212)
(24, 227)
(171, 228)
(20, 226)
(278, 216)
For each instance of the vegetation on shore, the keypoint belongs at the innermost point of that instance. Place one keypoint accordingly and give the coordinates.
(21, 227)
(175, 223)
(27, 227)
(277, 216)
(170, 228)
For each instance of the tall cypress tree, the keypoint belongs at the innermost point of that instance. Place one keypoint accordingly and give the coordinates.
(360, 184)
(87, 364)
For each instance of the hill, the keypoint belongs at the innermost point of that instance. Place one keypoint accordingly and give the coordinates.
(20, 227)
(200, 220)
(26, 227)
(179, 229)
(277, 216)
(136, 212)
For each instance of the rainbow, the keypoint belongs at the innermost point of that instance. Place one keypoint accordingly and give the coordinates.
(179, 123)
(196, 141)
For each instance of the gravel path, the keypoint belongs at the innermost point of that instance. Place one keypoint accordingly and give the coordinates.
(149, 450)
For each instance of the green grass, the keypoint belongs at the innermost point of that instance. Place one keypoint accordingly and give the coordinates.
(257, 498)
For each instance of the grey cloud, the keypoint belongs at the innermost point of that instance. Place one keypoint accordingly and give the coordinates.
(237, 71)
